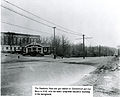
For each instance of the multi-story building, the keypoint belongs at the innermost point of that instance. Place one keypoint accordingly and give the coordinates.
(16, 42)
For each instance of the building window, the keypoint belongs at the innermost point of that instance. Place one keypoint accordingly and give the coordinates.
(45, 49)
(39, 49)
(14, 40)
(18, 48)
(23, 40)
(20, 41)
(11, 48)
(15, 48)
(29, 40)
(34, 48)
(35, 40)
(6, 41)
(6, 48)
(38, 40)
(29, 50)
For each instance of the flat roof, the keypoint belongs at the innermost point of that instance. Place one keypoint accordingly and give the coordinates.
(14, 33)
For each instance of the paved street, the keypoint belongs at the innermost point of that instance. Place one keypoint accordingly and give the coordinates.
(18, 77)
(19, 74)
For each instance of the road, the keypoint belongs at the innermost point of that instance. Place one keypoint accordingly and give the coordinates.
(17, 78)
(19, 74)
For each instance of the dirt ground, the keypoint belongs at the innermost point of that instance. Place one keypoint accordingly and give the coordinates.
(103, 73)
(105, 79)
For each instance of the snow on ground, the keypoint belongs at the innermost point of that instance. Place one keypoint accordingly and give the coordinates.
(28, 71)
(99, 72)
(105, 79)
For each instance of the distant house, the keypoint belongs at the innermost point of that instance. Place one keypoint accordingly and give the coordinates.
(36, 48)
(22, 43)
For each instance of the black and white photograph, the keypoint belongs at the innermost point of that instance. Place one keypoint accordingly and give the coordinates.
(60, 43)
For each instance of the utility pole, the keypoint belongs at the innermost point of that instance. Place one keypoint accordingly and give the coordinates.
(63, 46)
(118, 50)
(83, 38)
(83, 46)
(54, 51)
(99, 51)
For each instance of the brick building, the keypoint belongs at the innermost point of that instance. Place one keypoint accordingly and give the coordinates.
(16, 42)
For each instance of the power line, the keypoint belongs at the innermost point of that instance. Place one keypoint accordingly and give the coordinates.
(84, 38)
(35, 20)
(38, 16)
(67, 32)
(25, 16)
(23, 27)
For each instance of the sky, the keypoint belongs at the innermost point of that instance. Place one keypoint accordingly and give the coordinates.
(99, 19)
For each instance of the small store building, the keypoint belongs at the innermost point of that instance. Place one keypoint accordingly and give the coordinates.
(36, 48)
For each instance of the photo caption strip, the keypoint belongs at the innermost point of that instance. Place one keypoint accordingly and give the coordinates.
(62, 91)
